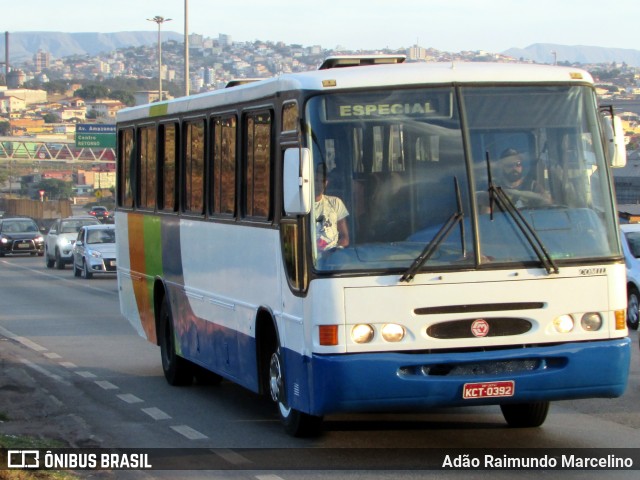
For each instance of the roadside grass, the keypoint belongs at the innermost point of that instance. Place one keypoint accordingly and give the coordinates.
(23, 442)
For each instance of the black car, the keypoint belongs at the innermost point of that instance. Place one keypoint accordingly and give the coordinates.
(102, 214)
(20, 235)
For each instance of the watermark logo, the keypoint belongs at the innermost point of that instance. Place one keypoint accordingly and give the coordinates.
(23, 459)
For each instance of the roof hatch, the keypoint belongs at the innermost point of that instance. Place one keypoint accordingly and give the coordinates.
(357, 61)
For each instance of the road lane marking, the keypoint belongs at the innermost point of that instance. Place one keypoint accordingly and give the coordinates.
(104, 384)
(129, 398)
(23, 340)
(42, 370)
(230, 456)
(153, 412)
(156, 413)
(59, 279)
(268, 477)
(189, 432)
(30, 344)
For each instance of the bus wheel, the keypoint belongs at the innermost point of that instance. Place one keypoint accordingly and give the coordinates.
(295, 422)
(177, 370)
(525, 415)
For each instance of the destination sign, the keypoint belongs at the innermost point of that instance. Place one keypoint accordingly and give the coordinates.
(399, 105)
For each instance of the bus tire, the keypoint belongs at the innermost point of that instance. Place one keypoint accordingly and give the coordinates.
(295, 422)
(177, 370)
(525, 415)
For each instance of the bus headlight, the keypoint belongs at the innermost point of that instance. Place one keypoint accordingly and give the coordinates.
(591, 321)
(393, 332)
(362, 333)
(563, 324)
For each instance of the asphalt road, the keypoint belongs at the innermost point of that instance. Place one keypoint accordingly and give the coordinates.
(70, 361)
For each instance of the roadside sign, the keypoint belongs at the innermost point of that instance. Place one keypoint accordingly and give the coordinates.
(95, 135)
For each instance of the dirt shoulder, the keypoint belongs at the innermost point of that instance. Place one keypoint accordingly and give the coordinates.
(30, 401)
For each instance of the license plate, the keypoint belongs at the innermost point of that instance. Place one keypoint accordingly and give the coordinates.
(112, 263)
(489, 389)
(23, 245)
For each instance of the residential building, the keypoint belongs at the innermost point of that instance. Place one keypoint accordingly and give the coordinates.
(41, 60)
(105, 109)
(12, 104)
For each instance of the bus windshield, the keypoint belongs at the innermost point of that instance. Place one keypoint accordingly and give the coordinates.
(467, 176)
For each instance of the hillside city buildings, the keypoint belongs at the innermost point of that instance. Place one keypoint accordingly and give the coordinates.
(213, 63)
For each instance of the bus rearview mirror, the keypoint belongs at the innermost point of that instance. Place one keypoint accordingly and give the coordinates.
(615, 137)
(297, 181)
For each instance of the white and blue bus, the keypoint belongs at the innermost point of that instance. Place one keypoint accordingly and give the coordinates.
(478, 259)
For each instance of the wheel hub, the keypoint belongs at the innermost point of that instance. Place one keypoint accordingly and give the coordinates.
(275, 378)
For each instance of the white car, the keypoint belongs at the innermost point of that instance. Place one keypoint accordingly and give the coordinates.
(94, 251)
(631, 248)
(59, 242)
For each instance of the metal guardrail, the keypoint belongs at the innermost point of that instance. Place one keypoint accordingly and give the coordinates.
(53, 150)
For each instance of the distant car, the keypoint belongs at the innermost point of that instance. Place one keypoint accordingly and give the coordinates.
(94, 251)
(20, 235)
(61, 237)
(631, 248)
(102, 214)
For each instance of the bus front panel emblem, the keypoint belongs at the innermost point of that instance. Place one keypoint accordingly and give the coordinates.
(480, 328)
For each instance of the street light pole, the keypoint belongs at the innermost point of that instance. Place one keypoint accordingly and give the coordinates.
(159, 20)
(186, 47)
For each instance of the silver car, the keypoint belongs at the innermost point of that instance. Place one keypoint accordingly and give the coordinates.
(94, 251)
(62, 235)
(631, 248)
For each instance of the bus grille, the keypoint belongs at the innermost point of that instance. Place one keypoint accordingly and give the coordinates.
(480, 368)
(497, 327)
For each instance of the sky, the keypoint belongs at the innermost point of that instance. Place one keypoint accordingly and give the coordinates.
(448, 25)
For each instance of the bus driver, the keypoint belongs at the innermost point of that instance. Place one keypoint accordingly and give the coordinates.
(525, 189)
(332, 230)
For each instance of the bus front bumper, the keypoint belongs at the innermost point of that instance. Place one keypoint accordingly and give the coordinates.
(418, 381)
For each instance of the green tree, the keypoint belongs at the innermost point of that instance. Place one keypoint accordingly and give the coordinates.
(124, 96)
(55, 189)
(91, 92)
(53, 86)
(50, 118)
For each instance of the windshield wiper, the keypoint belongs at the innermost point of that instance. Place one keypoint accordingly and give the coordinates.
(497, 195)
(438, 238)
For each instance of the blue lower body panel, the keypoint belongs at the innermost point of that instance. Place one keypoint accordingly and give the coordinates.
(395, 381)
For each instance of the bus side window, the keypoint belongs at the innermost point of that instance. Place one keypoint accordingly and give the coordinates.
(290, 117)
(167, 166)
(194, 166)
(148, 162)
(258, 165)
(291, 252)
(126, 161)
(223, 170)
